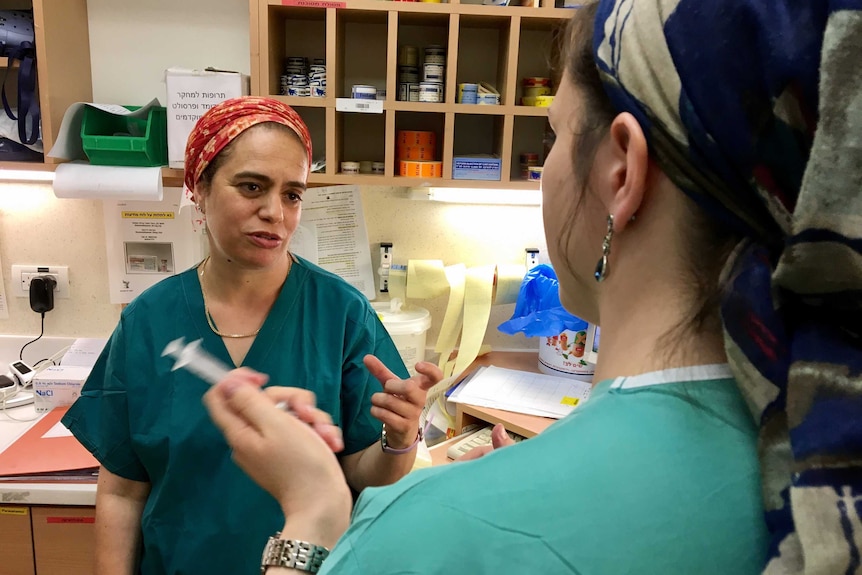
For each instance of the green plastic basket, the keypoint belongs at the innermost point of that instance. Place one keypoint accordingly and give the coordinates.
(111, 140)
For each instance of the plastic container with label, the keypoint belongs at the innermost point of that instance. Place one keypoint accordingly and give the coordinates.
(566, 355)
(407, 327)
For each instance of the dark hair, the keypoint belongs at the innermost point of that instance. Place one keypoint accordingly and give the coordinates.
(217, 162)
(707, 243)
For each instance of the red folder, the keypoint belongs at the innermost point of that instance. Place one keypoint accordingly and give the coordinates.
(32, 455)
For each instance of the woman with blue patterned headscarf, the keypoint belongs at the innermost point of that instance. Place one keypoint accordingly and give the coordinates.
(703, 203)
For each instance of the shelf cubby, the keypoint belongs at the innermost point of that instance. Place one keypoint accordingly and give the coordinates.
(362, 40)
(478, 135)
(290, 32)
(483, 52)
(361, 50)
(537, 53)
(528, 137)
(363, 137)
(315, 119)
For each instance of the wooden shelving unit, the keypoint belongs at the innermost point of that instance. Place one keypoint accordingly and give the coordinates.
(62, 64)
(361, 39)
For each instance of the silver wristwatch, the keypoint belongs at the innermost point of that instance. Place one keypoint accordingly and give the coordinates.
(299, 555)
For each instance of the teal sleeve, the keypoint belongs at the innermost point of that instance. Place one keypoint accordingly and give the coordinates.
(368, 336)
(99, 419)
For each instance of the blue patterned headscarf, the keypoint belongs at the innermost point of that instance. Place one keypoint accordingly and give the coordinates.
(754, 109)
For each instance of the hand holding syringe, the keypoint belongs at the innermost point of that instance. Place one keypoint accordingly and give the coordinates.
(194, 358)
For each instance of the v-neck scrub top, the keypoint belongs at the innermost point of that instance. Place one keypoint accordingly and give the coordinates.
(144, 422)
(655, 475)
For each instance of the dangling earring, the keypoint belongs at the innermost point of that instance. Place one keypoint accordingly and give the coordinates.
(602, 266)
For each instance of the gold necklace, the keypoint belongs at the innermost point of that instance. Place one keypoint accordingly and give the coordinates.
(207, 309)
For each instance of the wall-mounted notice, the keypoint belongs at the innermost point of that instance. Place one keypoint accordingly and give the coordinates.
(147, 242)
(190, 94)
(334, 215)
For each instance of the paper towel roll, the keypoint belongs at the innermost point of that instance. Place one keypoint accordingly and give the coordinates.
(85, 181)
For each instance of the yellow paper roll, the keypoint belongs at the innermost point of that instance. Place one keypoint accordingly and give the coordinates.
(508, 285)
(426, 279)
(478, 293)
(397, 284)
(452, 321)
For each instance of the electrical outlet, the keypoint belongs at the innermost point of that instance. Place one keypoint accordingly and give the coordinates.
(21, 276)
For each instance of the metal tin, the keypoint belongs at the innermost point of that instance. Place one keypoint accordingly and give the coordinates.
(408, 74)
(364, 92)
(430, 92)
(349, 167)
(434, 73)
(413, 92)
(408, 56)
(468, 93)
(488, 99)
(535, 91)
(532, 81)
(378, 168)
(365, 167)
(535, 174)
(528, 160)
(435, 50)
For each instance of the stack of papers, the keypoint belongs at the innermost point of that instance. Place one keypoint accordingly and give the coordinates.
(84, 352)
(522, 392)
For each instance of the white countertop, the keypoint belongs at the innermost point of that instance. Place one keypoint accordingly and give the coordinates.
(53, 493)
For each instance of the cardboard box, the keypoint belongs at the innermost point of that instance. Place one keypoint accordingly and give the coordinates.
(58, 386)
(190, 93)
(476, 168)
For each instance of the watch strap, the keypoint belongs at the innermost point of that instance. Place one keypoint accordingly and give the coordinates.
(293, 553)
(384, 444)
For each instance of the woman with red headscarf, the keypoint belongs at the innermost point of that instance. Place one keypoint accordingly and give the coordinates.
(169, 495)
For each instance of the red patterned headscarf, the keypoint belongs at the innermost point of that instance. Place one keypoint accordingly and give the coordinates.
(224, 122)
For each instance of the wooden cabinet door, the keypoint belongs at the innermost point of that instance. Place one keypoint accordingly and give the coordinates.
(64, 540)
(17, 541)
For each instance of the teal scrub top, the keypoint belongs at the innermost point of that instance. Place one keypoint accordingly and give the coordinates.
(654, 475)
(144, 422)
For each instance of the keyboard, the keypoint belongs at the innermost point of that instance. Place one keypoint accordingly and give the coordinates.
(476, 439)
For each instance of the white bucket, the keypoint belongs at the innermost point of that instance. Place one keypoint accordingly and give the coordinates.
(407, 328)
(565, 355)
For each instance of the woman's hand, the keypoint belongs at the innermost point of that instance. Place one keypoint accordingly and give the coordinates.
(499, 438)
(402, 400)
(291, 456)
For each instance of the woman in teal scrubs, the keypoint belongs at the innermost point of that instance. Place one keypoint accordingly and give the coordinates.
(702, 204)
(168, 491)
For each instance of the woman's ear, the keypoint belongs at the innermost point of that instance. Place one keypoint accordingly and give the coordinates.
(199, 197)
(624, 163)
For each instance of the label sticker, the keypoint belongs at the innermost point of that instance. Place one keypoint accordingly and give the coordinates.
(70, 519)
(13, 511)
(573, 401)
(314, 3)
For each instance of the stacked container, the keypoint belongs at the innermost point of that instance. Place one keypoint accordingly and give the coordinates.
(416, 152)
